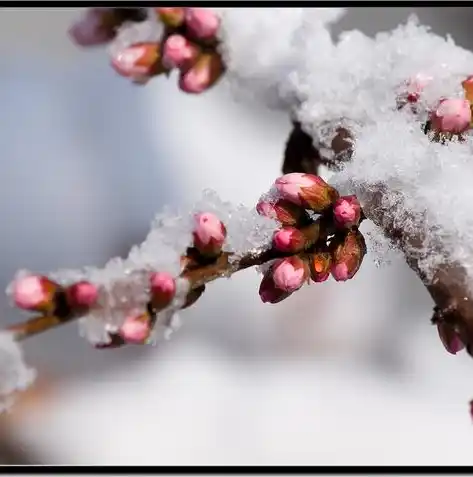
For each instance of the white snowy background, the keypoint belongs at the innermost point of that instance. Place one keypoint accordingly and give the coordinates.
(337, 374)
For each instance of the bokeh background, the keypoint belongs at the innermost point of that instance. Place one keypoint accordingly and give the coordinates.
(339, 374)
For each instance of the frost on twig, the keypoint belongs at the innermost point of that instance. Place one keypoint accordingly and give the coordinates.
(123, 284)
(388, 116)
(302, 228)
(417, 189)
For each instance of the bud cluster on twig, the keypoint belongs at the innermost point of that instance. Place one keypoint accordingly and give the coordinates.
(450, 118)
(188, 44)
(99, 25)
(330, 245)
(304, 248)
(58, 304)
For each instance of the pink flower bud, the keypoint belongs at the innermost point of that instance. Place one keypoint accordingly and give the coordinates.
(348, 251)
(340, 272)
(35, 293)
(468, 88)
(347, 212)
(453, 115)
(201, 23)
(136, 328)
(306, 190)
(281, 210)
(162, 289)
(171, 16)
(289, 240)
(82, 294)
(415, 86)
(96, 27)
(209, 234)
(449, 337)
(289, 274)
(202, 75)
(320, 266)
(268, 291)
(138, 60)
(179, 52)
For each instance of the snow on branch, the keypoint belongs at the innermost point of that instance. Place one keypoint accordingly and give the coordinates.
(391, 114)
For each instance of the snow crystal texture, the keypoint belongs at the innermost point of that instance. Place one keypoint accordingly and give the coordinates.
(289, 58)
(14, 374)
(123, 283)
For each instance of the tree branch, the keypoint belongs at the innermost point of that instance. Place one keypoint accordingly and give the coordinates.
(449, 286)
(197, 272)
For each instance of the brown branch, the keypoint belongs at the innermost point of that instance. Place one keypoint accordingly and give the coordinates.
(300, 153)
(449, 287)
(198, 275)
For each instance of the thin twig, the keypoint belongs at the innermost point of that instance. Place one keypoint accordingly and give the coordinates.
(196, 273)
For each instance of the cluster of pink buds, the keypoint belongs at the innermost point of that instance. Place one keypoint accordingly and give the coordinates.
(138, 324)
(209, 235)
(451, 117)
(99, 25)
(318, 247)
(40, 294)
(188, 44)
(44, 296)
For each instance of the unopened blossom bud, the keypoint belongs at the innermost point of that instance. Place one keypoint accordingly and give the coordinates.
(289, 274)
(35, 293)
(209, 234)
(306, 190)
(289, 240)
(347, 212)
(171, 16)
(449, 337)
(178, 52)
(99, 25)
(136, 328)
(82, 294)
(203, 74)
(320, 266)
(415, 86)
(138, 60)
(202, 23)
(268, 291)
(283, 211)
(348, 251)
(96, 27)
(453, 115)
(162, 289)
(468, 88)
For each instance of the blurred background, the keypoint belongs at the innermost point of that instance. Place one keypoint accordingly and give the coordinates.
(339, 374)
